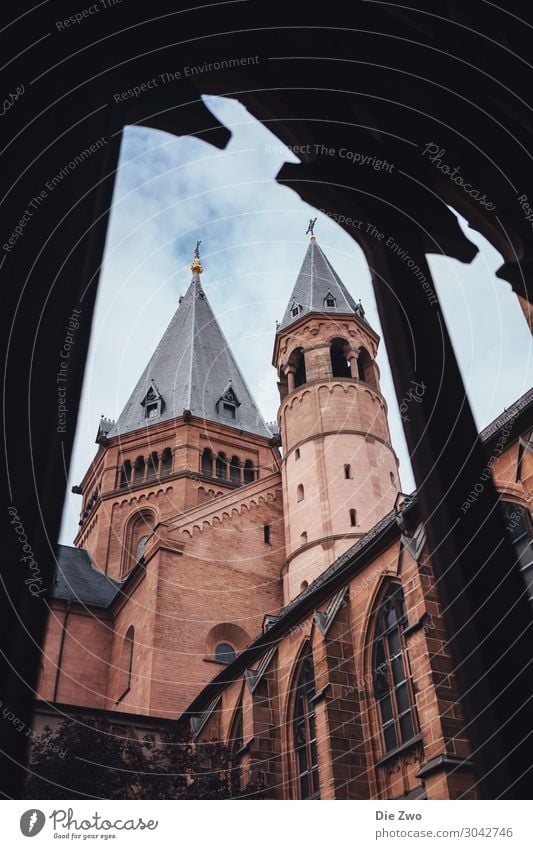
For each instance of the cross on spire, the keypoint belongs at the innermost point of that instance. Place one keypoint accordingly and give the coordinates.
(311, 228)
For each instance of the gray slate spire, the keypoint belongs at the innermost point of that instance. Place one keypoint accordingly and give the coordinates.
(192, 369)
(318, 288)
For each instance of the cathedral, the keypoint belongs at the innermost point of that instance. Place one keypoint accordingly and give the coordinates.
(270, 585)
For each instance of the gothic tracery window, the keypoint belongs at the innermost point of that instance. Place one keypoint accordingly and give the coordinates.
(392, 686)
(304, 730)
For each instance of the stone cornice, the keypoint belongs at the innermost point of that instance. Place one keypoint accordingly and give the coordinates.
(215, 510)
(330, 382)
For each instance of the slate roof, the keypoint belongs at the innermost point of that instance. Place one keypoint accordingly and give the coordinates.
(192, 368)
(78, 580)
(316, 280)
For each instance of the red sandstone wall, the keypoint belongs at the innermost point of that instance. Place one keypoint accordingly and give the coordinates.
(85, 660)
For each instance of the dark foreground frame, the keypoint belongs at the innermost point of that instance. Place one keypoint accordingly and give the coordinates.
(377, 79)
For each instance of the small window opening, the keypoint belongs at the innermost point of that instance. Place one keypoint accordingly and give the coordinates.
(166, 461)
(347, 471)
(207, 462)
(353, 518)
(125, 474)
(266, 532)
(235, 470)
(152, 465)
(221, 466)
(297, 454)
(340, 367)
(224, 653)
(300, 493)
(303, 537)
(303, 586)
(228, 410)
(151, 410)
(139, 469)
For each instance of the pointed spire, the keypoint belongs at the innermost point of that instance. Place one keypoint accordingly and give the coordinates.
(318, 287)
(192, 371)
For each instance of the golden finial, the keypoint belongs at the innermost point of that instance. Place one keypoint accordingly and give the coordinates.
(311, 228)
(197, 265)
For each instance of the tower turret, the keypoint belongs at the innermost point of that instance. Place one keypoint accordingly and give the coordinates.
(340, 473)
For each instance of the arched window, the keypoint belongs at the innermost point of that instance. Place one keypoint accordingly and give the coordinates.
(235, 470)
(166, 462)
(125, 474)
(266, 533)
(153, 462)
(224, 653)
(297, 454)
(303, 586)
(347, 471)
(221, 466)
(249, 474)
(299, 492)
(137, 531)
(340, 367)
(207, 462)
(366, 369)
(518, 526)
(392, 686)
(353, 518)
(304, 730)
(125, 666)
(138, 474)
(297, 362)
(129, 643)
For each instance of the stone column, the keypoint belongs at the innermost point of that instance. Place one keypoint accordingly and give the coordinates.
(352, 359)
(290, 371)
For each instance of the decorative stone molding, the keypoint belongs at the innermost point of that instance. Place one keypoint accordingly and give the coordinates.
(233, 503)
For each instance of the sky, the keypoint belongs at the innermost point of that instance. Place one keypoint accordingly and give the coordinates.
(172, 191)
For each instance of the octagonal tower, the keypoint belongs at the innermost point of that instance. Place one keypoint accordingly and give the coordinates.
(340, 472)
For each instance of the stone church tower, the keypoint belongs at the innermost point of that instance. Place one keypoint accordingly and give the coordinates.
(194, 530)
(340, 472)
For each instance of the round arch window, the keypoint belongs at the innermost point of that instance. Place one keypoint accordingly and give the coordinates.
(224, 653)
